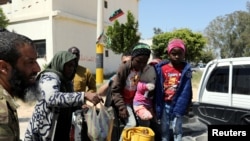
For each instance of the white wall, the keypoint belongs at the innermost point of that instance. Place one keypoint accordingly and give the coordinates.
(65, 23)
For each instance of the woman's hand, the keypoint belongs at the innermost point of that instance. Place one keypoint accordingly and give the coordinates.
(123, 113)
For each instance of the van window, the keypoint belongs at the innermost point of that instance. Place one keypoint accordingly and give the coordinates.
(218, 81)
(241, 79)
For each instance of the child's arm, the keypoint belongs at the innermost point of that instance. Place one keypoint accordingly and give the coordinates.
(144, 88)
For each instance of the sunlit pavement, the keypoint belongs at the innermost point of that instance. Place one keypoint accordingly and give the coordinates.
(193, 129)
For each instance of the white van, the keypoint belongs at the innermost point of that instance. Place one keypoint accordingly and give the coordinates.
(224, 92)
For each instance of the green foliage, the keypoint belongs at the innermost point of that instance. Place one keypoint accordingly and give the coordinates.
(230, 34)
(123, 36)
(157, 31)
(206, 56)
(194, 43)
(196, 77)
(44, 66)
(3, 20)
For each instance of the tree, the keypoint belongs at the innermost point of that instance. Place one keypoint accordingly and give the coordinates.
(194, 43)
(123, 36)
(230, 34)
(248, 6)
(206, 56)
(3, 20)
(157, 31)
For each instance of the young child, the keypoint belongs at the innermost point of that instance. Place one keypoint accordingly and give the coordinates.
(142, 102)
(173, 90)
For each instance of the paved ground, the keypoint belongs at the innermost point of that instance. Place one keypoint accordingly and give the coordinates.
(24, 113)
(194, 130)
(23, 125)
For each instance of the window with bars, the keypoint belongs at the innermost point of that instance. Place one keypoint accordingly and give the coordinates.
(41, 48)
(5, 1)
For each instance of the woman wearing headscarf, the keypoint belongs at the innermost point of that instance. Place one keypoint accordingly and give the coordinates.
(52, 116)
(125, 83)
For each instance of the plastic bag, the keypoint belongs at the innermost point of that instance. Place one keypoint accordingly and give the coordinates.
(138, 134)
(118, 124)
(99, 122)
(92, 122)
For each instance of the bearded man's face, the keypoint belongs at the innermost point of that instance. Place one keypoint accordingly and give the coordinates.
(20, 84)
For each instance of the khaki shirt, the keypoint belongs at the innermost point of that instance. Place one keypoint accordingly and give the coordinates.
(84, 81)
(9, 125)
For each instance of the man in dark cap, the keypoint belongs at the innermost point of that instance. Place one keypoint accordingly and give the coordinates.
(83, 81)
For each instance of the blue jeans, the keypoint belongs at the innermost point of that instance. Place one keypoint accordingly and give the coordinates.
(171, 125)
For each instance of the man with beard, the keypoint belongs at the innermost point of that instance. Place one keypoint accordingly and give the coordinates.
(18, 70)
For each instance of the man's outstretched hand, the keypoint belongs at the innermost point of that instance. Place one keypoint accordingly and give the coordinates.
(93, 97)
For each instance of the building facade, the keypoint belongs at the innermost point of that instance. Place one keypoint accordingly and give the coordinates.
(56, 25)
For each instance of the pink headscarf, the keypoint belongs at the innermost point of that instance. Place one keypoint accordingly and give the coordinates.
(176, 43)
